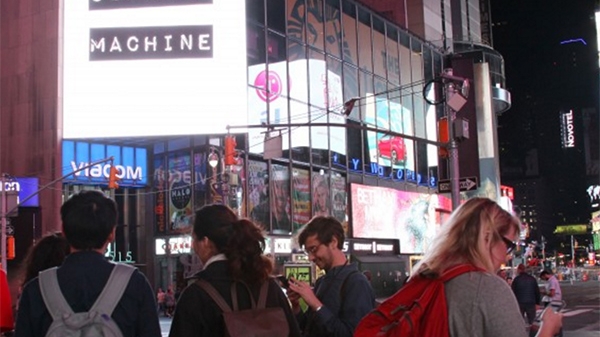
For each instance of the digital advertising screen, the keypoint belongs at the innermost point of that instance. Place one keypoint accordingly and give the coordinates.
(413, 218)
(151, 68)
(284, 81)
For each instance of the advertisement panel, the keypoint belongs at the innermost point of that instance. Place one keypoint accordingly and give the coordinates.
(130, 162)
(386, 150)
(413, 218)
(273, 87)
(146, 68)
(258, 192)
(300, 198)
(27, 189)
(340, 199)
(180, 193)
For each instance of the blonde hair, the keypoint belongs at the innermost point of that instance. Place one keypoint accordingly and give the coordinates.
(468, 237)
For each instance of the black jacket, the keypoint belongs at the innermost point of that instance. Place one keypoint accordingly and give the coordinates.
(526, 289)
(81, 278)
(198, 315)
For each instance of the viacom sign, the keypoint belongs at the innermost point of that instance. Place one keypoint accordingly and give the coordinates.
(131, 162)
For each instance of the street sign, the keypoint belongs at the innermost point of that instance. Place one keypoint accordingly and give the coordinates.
(466, 184)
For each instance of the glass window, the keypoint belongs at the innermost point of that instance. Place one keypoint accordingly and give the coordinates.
(333, 28)
(350, 80)
(255, 44)
(405, 70)
(366, 105)
(349, 33)
(255, 11)
(379, 49)
(296, 19)
(365, 57)
(276, 48)
(276, 15)
(393, 61)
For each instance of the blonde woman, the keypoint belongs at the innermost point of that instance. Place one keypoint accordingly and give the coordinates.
(480, 233)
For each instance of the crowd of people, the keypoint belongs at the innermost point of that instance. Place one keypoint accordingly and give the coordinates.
(478, 233)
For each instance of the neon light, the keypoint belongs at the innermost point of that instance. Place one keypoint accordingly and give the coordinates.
(574, 41)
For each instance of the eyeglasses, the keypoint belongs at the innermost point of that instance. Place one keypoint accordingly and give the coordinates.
(510, 246)
(312, 250)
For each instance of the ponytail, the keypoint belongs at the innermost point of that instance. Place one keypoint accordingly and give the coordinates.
(244, 251)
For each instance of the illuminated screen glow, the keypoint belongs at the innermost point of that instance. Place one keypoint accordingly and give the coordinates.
(413, 218)
(165, 68)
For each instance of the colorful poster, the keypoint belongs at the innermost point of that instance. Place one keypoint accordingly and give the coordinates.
(340, 199)
(413, 218)
(160, 190)
(280, 199)
(321, 198)
(300, 198)
(180, 193)
(258, 193)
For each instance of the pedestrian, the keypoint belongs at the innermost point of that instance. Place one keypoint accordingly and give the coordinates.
(231, 250)
(552, 293)
(160, 301)
(49, 251)
(89, 220)
(527, 292)
(170, 301)
(480, 303)
(342, 296)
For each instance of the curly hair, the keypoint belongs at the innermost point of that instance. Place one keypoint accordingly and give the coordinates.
(241, 241)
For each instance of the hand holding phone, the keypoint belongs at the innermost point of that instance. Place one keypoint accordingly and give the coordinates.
(284, 281)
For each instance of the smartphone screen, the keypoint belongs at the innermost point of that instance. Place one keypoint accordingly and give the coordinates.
(284, 281)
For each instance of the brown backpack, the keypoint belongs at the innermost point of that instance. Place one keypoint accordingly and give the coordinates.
(259, 321)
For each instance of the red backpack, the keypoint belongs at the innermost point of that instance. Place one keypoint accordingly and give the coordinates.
(417, 310)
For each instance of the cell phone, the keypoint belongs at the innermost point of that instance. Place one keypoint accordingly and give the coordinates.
(284, 281)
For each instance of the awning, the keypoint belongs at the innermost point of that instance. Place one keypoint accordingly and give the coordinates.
(378, 258)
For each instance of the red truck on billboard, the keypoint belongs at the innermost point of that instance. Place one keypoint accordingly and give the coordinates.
(393, 148)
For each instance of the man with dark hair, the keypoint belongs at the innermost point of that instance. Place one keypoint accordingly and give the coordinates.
(342, 296)
(89, 220)
(527, 292)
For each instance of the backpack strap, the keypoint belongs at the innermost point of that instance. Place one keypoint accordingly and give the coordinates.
(114, 289)
(234, 298)
(262, 297)
(457, 270)
(52, 295)
(214, 294)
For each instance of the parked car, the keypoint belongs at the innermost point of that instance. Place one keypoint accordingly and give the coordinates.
(393, 148)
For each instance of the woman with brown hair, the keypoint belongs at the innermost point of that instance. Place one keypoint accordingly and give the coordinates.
(231, 250)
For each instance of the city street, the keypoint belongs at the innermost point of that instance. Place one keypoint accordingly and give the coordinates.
(581, 316)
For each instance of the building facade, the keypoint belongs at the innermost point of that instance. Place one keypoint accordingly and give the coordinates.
(86, 87)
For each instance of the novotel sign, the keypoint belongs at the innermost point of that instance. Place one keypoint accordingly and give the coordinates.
(131, 163)
(567, 129)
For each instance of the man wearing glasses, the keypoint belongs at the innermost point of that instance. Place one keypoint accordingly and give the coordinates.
(342, 296)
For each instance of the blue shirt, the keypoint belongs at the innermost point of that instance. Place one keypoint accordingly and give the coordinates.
(81, 278)
(347, 296)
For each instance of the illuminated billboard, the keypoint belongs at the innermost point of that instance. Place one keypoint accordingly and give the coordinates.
(146, 68)
(413, 218)
(567, 129)
(275, 88)
(387, 150)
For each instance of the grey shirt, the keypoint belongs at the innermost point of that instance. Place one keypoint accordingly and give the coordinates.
(482, 304)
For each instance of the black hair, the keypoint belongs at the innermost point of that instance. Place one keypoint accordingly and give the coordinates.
(88, 218)
(326, 228)
(48, 252)
(240, 240)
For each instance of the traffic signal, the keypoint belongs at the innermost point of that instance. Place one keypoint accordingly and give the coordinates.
(112, 178)
(443, 136)
(230, 145)
(10, 247)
